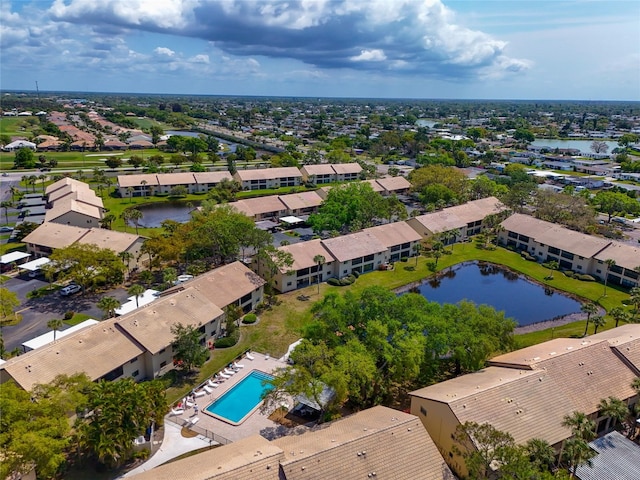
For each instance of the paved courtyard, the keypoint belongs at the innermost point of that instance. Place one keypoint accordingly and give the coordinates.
(257, 422)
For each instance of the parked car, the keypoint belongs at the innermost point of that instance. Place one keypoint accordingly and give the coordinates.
(6, 229)
(35, 273)
(182, 279)
(70, 289)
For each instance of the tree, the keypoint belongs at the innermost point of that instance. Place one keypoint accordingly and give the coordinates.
(108, 305)
(610, 264)
(136, 290)
(169, 275)
(88, 265)
(598, 321)
(615, 203)
(482, 446)
(271, 261)
(319, 260)
(24, 229)
(107, 220)
(135, 216)
(615, 410)
(43, 178)
(619, 314)
(55, 325)
(627, 139)
(599, 147)
(187, 348)
(6, 205)
(113, 162)
(8, 303)
(136, 161)
(524, 135)
(24, 158)
(634, 299)
(146, 277)
(120, 411)
(588, 308)
(576, 450)
(179, 191)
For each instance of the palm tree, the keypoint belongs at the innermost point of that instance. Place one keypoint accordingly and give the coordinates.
(541, 454)
(598, 322)
(610, 263)
(581, 426)
(619, 314)
(54, 325)
(169, 275)
(146, 277)
(108, 305)
(125, 216)
(31, 180)
(6, 205)
(136, 290)
(135, 216)
(634, 299)
(589, 309)
(14, 192)
(614, 409)
(130, 193)
(107, 220)
(126, 259)
(144, 187)
(319, 261)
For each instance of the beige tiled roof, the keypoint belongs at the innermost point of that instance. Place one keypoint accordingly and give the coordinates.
(323, 192)
(103, 238)
(529, 357)
(259, 205)
(304, 252)
(391, 234)
(300, 200)
(375, 185)
(135, 180)
(626, 256)
(322, 169)
(555, 235)
(267, 173)
(393, 184)
(224, 285)
(85, 195)
(66, 205)
(151, 325)
(252, 458)
(354, 245)
(391, 443)
(67, 181)
(459, 216)
(55, 235)
(180, 178)
(95, 350)
(211, 177)
(507, 398)
(343, 168)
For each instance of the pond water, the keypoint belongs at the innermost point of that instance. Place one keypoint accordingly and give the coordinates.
(484, 283)
(583, 145)
(155, 213)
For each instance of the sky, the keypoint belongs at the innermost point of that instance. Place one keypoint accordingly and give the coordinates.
(477, 49)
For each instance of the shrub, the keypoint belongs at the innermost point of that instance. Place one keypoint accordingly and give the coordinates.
(526, 256)
(69, 315)
(570, 273)
(250, 318)
(226, 342)
(334, 281)
(404, 259)
(585, 278)
(356, 274)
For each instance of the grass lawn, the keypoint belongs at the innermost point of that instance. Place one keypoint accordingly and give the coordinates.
(11, 247)
(16, 126)
(78, 318)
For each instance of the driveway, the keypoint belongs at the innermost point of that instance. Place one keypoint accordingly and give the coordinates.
(36, 312)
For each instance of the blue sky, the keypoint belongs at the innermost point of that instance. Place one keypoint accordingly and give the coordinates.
(515, 49)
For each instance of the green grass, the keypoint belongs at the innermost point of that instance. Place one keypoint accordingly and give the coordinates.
(11, 247)
(16, 126)
(78, 318)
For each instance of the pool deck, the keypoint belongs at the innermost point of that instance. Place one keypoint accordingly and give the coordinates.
(254, 423)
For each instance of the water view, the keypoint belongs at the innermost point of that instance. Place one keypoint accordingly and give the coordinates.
(484, 283)
(155, 213)
(583, 145)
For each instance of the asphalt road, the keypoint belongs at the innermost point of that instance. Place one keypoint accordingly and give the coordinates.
(38, 311)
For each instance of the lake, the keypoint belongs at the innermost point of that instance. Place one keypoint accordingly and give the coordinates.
(155, 213)
(484, 283)
(583, 145)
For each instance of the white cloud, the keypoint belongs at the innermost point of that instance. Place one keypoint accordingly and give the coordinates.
(375, 55)
(164, 51)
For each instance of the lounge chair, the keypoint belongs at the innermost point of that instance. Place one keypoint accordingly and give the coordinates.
(199, 393)
(193, 420)
(190, 403)
(212, 384)
(177, 411)
(250, 357)
(229, 372)
(237, 365)
(224, 375)
(207, 389)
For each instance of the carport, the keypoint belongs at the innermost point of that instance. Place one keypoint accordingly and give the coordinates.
(12, 258)
(291, 220)
(34, 265)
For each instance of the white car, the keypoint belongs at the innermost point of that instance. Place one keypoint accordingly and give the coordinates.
(182, 279)
(6, 229)
(70, 290)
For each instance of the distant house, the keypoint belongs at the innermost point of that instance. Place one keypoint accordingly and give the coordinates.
(267, 178)
(394, 185)
(303, 203)
(72, 202)
(18, 144)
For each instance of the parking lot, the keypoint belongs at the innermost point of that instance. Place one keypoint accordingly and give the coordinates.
(36, 312)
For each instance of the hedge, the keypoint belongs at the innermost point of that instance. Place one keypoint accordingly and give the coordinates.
(226, 342)
(250, 318)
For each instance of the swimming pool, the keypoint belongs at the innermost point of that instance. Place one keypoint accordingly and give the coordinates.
(239, 402)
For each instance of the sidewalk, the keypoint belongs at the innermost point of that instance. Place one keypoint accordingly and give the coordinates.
(173, 445)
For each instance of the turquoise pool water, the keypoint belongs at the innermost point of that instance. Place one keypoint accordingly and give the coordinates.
(242, 399)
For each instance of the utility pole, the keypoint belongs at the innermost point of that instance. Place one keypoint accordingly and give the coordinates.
(37, 90)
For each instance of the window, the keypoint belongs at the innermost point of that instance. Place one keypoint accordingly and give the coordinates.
(356, 261)
(136, 373)
(567, 255)
(163, 364)
(554, 250)
(202, 329)
(162, 351)
(288, 284)
(368, 258)
(246, 298)
(134, 360)
(423, 411)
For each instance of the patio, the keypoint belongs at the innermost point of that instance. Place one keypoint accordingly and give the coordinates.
(257, 422)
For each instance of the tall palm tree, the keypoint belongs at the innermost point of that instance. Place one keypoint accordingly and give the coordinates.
(135, 216)
(610, 263)
(136, 290)
(107, 220)
(6, 205)
(169, 275)
(54, 325)
(144, 187)
(319, 260)
(619, 314)
(126, 217)
(146, 277)
(634, 299)
(615, 410)
(588, 308)
(14, 192)
(108, 305)
(598, 321)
